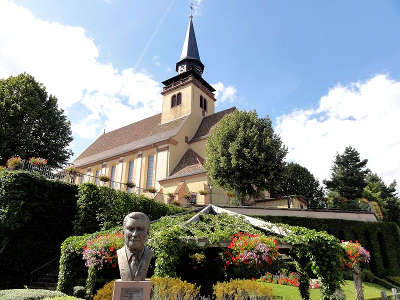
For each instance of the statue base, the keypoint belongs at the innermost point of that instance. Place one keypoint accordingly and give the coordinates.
(131, 290)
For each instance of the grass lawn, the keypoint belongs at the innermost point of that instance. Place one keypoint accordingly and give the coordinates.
(371, 290)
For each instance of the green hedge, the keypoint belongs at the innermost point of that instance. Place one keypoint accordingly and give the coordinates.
(35, 217)
(382, 239)
(101, 208)
(27, 294)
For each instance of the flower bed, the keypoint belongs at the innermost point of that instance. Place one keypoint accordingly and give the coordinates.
(292, 279)
(103, 250)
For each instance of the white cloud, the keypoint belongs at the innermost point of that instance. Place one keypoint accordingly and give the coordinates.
(65, 59)
(364, 115)
(224, 93)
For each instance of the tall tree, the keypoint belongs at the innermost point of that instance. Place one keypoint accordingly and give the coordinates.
(243, 154)
(348, 174)
(298, 180)
(31, 124)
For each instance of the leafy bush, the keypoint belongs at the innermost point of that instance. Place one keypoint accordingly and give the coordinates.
(367, 276)
(101, 207)
(381, 239)
(241, 290)
(106, 292)
(79, 291)
(28, 294)
(63, 298)
(35, 213)
(173, 288)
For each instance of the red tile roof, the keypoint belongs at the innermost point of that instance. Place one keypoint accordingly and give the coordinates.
(190, 164)
(128, 138)
(209, 122)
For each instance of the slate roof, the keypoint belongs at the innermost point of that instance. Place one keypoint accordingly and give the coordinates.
(190, 164)
(209, 122)
(190, 49)
(128, 138)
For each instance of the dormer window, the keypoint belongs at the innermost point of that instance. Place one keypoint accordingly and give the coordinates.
(203, 103)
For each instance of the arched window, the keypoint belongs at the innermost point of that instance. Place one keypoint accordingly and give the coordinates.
(179, 99)
(173, 101)
(201, 101)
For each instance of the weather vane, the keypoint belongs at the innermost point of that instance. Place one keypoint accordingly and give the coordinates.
(191, 9)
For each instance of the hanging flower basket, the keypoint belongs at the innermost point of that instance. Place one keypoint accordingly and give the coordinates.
(14, 163)
(104, 178)
(254, 250)
(355, 254)
(37, 161)
(151, 190)
(130, 185)
(203, 193)
(72, 171)
(187, 196)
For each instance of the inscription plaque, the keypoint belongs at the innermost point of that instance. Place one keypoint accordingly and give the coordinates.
(131, 294)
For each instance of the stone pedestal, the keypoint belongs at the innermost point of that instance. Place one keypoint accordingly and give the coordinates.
(131, 290)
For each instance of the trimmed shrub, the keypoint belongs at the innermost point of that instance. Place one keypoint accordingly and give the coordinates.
(35, 213)
(101, 208)
(106, 292)
(173, 288)
(28, 294)
(382, 239)
(241, 289)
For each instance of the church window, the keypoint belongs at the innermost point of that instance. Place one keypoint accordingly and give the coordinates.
(96, 177)
(173, 101)
(112, 177)
(201, 101)
(179, 99)
(130, 173)
(150, 166)
(205, 104)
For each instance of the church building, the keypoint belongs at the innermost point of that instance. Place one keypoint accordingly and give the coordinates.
(163, 155)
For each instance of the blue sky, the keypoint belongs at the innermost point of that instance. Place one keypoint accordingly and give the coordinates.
(326, 72)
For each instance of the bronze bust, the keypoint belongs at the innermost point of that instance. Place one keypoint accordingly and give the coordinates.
(134, 257)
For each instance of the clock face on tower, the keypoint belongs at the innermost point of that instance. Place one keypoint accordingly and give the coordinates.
(182, 69)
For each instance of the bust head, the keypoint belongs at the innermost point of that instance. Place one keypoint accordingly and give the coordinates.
(136, 229)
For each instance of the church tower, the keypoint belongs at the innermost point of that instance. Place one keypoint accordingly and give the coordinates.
(188, 93)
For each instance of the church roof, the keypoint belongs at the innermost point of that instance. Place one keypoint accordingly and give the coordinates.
(190, 49)
(128, 138)
(190, 164)
(209, 122)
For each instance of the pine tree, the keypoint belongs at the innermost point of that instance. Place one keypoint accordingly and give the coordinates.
(348, 174)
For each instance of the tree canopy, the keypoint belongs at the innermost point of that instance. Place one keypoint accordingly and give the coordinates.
(298, 180)
(31, 124)
(244, 155)
(348, 174)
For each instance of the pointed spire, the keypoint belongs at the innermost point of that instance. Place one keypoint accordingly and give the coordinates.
(189, 49)
(190, 58)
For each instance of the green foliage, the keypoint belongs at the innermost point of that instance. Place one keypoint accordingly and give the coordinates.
(241, 290)
(173, 288)
(35, 213)
(244, 154)
(348, 174)
(31, 124)
(298, 180)
(335, 200)
(106, 292)
(381, 239)
(63, 298)
(73, 271)
(385, 195)
(101, 207)
(322, 252)
(28, 294)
